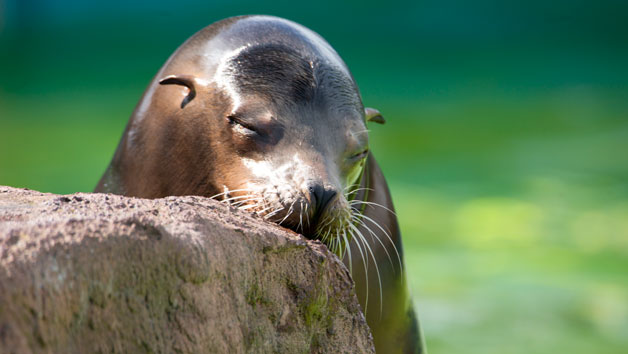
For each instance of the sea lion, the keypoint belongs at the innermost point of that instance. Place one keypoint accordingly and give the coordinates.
(262, 113)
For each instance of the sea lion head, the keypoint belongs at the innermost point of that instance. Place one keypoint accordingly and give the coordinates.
(258, 112)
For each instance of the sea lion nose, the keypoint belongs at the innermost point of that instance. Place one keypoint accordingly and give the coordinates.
(320, 197)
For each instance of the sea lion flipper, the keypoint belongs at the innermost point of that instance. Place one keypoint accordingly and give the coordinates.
(183, 80)
(373, 115)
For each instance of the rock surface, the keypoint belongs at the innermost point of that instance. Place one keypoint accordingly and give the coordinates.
(103, 273)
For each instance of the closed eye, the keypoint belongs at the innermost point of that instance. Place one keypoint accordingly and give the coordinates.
(243, 128)
(360, 155)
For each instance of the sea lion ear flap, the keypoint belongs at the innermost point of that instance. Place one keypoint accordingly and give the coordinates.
(183, 80)
(373, 115)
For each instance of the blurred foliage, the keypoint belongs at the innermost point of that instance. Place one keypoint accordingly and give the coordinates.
(506, 145)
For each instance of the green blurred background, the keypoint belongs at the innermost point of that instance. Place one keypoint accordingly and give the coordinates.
(506, 146)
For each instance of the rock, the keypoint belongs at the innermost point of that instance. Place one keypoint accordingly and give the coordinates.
(105, 273)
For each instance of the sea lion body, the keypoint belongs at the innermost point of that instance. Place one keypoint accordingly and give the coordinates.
(262, 113)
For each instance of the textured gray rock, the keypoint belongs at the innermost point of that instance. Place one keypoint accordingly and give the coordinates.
(104, 273)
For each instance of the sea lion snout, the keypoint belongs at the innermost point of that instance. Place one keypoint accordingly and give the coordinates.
(294, 193)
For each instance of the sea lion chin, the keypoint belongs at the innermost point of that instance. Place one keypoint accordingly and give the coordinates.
(261, 113)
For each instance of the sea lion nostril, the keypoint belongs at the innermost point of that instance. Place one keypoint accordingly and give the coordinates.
(320, 198)
(316, 195)
(327, 197)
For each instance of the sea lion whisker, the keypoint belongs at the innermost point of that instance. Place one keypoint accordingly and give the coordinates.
(353, 222)
(290, 210)
(307, 215)
(360, 202)
(307, 219)
(237, 197)
(327, 220)
(389, 239)
(364, 263)
(300, 217)
(219, 194)
(336, 245)
(358, 188)
(320, 227)
(386, 233)
(340, 251)
(361, 222)
(321, 235)
(347, 249)
(230, 191)
(286, 217)
(243, 202)
(334, 240)
(339, 244)
(348, 192)
(324, 239)
(379, 279)
(374, 236)
(249, 206)
(354, 193)
(260, 212)
(273, 213)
